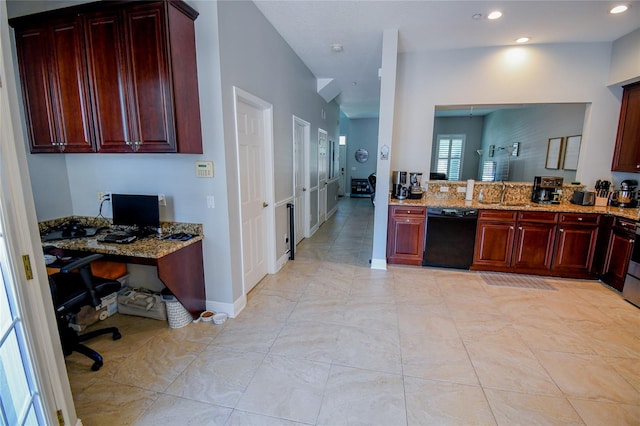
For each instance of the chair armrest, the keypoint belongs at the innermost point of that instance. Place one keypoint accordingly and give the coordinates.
(80, 263)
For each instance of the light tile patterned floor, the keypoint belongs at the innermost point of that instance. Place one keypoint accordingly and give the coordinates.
(329, 341)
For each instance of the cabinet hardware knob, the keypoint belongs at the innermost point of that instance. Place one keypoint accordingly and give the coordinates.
(408, 211)
(631, 240)
(637, 166)
(519, 228)
(579, 219)
(561, 230)
(511, 227)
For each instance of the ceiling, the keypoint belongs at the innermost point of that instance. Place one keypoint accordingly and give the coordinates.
(310, 27)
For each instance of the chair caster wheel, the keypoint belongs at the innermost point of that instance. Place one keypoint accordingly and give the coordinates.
(96, 365)
(116, 336)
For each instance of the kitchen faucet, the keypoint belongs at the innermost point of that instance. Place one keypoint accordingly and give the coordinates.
(503, 191)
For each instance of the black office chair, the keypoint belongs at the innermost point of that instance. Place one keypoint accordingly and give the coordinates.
(372, 185)
(70, 292)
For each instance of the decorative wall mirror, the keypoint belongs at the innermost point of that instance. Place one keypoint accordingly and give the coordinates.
(362, 155)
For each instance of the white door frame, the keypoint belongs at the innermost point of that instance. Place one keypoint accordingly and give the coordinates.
(305, 147)
(23, 239)
(240, 95)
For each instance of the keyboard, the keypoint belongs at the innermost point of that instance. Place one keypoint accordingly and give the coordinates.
(118, 238)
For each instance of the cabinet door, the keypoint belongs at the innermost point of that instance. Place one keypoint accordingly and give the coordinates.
(494, 244)
(70, 89)
(109, 79)
(626, 157)
(33, 47)
(575, 246)
(405, 237)
(533, 247)
(621, 245)
(149, 77)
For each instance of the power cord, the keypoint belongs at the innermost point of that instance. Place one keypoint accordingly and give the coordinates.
(104, 198)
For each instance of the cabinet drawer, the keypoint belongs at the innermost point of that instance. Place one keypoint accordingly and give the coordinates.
(538, 217)
(497, 215)
(580, 219)
(626, 226)
(413, 211)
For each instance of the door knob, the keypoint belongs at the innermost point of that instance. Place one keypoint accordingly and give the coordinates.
(265, 204)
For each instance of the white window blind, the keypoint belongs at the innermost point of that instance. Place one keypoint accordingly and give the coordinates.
(450, 155)
(489, 171)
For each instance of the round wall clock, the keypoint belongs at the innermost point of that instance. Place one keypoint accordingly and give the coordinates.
(362, 155)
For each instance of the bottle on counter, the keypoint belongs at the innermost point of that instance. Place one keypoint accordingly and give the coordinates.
(480, 195)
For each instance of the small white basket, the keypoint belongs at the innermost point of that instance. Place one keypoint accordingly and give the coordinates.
(177, 315)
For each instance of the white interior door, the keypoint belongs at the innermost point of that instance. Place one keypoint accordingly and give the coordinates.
(253, 199)
(301, 131)
(322, 175)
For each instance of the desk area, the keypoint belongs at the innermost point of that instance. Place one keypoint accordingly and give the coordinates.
(179, 263)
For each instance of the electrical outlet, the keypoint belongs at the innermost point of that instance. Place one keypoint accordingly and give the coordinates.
(444, 189)
(100, 195)
(104, 196)
(162, 200)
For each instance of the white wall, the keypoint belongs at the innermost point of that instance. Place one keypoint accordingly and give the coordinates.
(362, 133)
(570, 73)
(625, 59)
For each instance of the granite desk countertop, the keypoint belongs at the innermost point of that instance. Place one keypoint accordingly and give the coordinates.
(434, 201)
(152, 247)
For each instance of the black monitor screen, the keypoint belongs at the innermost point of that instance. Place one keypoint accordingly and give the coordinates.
(135, 210)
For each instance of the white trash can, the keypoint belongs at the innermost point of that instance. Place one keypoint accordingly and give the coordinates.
(177, 315)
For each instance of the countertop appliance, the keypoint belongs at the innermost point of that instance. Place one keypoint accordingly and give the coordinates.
(631, 289)
(626, 196)
(399, 181)
(583, 198)
(450, 237)
(545, 189)
(415, 190)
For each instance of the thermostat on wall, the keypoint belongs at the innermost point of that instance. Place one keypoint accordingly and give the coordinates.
(204, 169)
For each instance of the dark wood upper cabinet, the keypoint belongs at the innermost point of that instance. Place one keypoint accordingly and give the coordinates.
(137, 63)
(626, 156)
(54, 86)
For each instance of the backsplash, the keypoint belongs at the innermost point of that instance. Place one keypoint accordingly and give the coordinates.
(516, 192)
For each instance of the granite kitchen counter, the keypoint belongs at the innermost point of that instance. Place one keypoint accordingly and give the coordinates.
(564, 207)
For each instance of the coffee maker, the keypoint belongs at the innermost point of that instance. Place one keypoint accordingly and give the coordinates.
(399, 181)
(415, 190)
(546, 189)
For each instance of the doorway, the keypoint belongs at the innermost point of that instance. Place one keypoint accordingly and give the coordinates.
(323, 139)
(301, 138)
(254, 139)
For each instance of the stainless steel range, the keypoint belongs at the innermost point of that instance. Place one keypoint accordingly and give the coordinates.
(631, 289)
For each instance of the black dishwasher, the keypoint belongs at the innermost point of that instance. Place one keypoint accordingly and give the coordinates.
(450, 237)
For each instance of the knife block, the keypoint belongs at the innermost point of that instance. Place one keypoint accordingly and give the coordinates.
(602, 201)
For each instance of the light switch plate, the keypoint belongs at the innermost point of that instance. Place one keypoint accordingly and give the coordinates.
(204, 169)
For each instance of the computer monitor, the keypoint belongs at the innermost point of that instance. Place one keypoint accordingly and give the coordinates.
(140, 211)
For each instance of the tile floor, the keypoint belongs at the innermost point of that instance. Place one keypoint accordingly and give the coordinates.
(328, 341)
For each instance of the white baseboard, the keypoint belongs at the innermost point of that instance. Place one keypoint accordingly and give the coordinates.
(231, 309)
(332, 212)
(281, 262)
(379, 264)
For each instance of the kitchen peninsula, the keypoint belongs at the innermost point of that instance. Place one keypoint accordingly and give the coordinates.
(179, 263)
(516, 235)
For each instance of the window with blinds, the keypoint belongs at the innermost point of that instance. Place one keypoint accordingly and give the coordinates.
(450, 151)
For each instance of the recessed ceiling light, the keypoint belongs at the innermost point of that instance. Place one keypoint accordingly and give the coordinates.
(494, 15)
(337, 47)
(619, 8)
(522, 40)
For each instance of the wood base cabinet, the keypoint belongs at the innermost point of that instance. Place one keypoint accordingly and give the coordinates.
(576, 244)
(622, 238)
(405, 234)
(541, 243)
(120, 76)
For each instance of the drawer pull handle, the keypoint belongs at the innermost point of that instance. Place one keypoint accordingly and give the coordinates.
(579, 219)
(519, 228)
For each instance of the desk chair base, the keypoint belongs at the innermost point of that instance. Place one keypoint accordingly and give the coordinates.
(71, 342)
